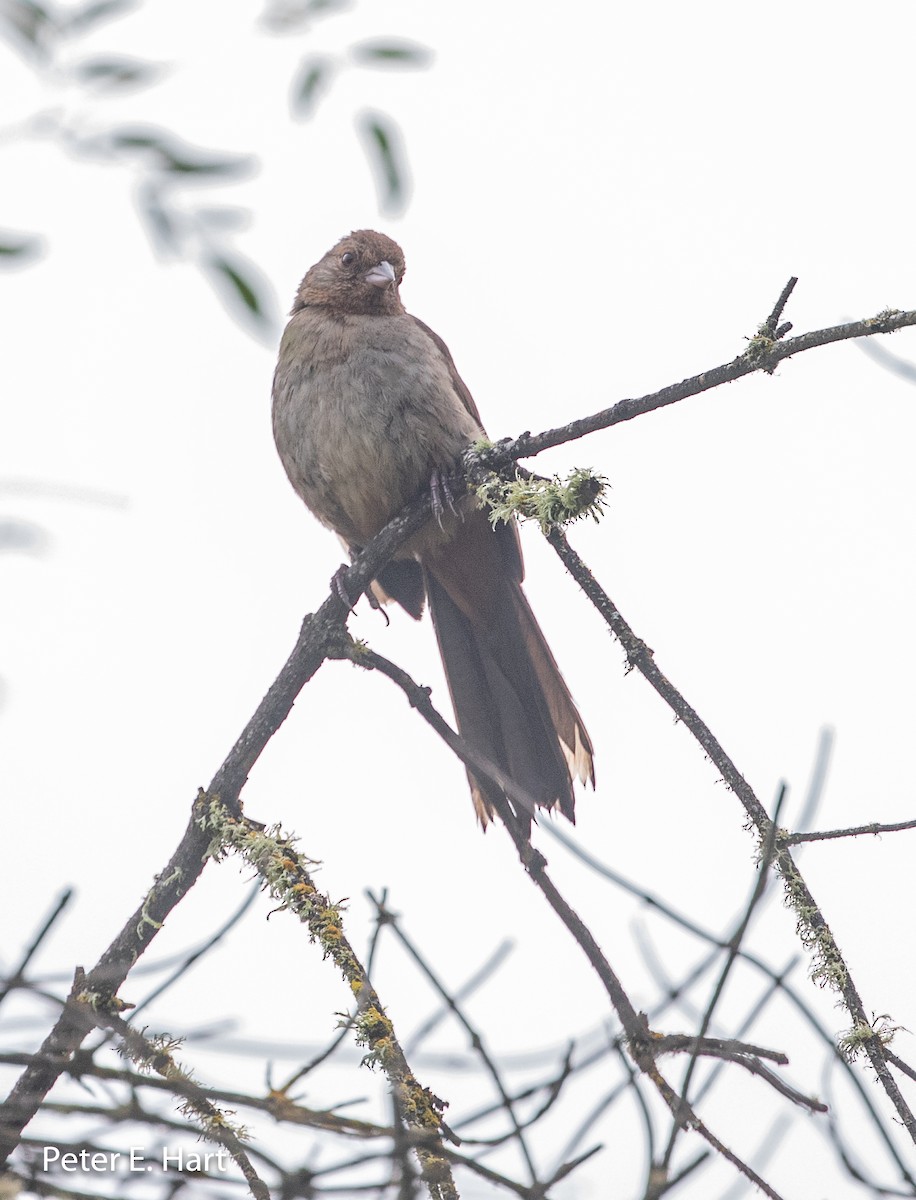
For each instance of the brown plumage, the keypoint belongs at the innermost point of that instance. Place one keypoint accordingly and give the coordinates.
(367, 405)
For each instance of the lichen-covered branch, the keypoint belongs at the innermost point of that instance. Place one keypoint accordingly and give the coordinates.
(284, 871)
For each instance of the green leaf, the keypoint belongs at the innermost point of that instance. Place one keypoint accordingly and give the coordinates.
(135, 139)
(177, 156)
(184, 164)
(313, 77)
(386, 156)
(243, 289)
(391, 52)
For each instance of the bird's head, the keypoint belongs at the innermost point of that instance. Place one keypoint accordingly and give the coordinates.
(360, 276)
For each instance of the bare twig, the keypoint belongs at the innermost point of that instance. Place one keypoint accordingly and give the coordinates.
(762, 354)
(796, 839)
(477, 1042)
(733, 949)
(639, 1042)
(829, 964)
(467, 989)
(285, 872)
(318, 638)
(17, 976)
(768, 328)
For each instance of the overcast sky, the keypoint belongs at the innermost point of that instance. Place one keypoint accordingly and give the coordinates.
(605, 199)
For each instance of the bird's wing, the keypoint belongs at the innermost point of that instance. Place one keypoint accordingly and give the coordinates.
(507, 532)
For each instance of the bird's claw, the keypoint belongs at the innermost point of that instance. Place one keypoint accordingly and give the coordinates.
(376, 605)
(439, 491)
(337, 587)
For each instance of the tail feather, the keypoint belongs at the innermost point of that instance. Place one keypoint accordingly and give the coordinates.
(570, 729)
(509, 698)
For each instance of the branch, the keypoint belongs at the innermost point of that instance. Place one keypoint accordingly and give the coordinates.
(762, 354)
(795, 839)
(829, 964)
(638, 1039)
(285, 873)
(316, 640)
(390, 919)
(318, 633)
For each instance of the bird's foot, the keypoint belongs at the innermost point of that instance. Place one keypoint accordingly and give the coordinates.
(441, 495)
(376, 604)
(337, 587)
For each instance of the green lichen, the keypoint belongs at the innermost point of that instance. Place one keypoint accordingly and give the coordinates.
(759, 346)
(551, 502)
(284, 872)
(827, 966)
(853, 1043)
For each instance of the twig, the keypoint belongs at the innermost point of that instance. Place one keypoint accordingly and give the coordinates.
(898, 1062)
(157, 1056)
(813, 928)
(17, 975)
(815, 790)
(318, 632)
(285, 873)
(762, 354)
(467, 989)
(477, 1042)
(796, 839)
(640, 1044)
(768, 328)
(731, 957)
(778, 980)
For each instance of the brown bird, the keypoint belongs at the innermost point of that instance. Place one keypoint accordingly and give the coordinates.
(368, 408)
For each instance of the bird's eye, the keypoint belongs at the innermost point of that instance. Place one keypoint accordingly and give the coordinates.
(348, 259)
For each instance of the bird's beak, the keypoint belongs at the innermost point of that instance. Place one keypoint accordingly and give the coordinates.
(382, 275)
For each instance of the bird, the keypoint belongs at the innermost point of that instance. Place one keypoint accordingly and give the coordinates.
(367, 409)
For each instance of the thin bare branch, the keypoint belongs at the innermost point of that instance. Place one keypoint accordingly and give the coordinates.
(829, 965)
(639, 1040)
(477, 1042)
(17, 976)
(762, 354)
(875, 828)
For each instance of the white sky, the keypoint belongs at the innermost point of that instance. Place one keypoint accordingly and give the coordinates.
(605, 200)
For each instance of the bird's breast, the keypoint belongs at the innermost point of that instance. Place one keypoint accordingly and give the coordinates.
(364, 409)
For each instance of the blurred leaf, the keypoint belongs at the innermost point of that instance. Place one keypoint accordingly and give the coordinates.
(184, 164)
(163, 228)
(386, 157)
(84, 19)
(313, 76)
(177, 156)
(133, 139)
(16, 249)
(286, 15)
(227, 216)
(243, 289)
(117, 71)
(27, 25)
(22, 536)
(884, 358)
(391, 52)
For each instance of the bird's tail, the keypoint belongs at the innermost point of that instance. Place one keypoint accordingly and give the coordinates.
(510, 700)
